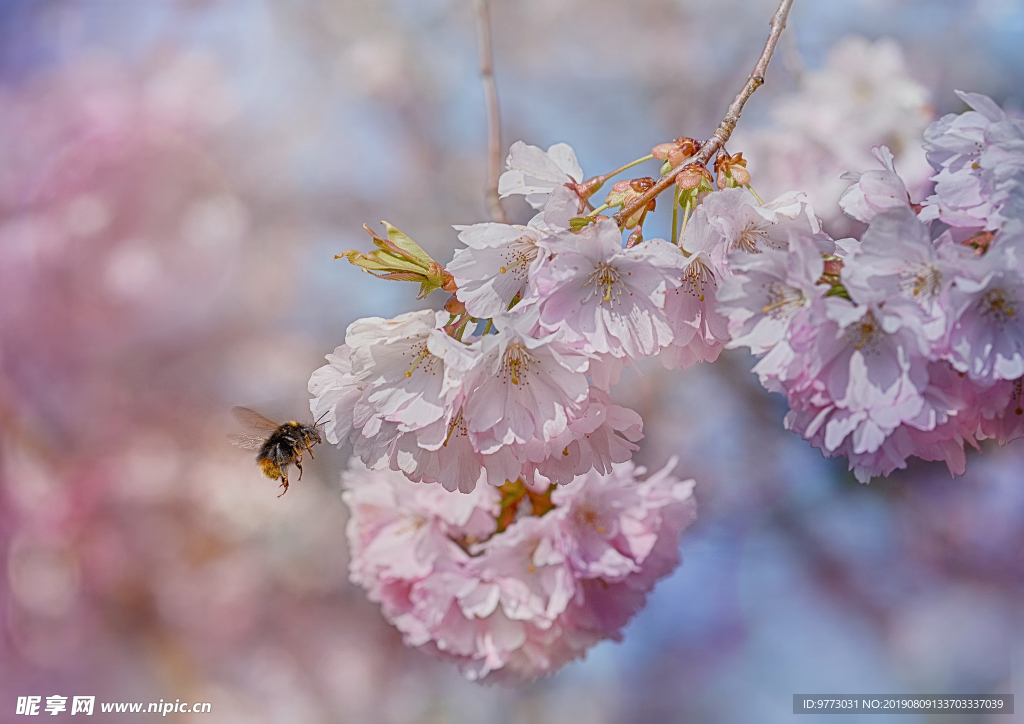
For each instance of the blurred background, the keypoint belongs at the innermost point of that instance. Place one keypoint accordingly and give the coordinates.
(175, 178)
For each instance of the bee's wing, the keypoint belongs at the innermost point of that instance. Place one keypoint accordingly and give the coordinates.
(253, 420)
(246, 441)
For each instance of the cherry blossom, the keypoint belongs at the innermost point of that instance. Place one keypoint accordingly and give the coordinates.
(496, 514)
(744, 224)
(987, 337)
(603, 297)
(874, 191)
(493, 268)
(511, 601)
(523, 386)
(699, 330)
(767, 291)
(955, 145)
(534, 173)
(605, 434)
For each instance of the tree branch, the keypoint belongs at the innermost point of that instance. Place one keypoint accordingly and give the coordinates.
(483, 29)
(732, 115)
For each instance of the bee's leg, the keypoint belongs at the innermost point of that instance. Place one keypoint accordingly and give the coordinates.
(298, 464)
(310, 449)
(284, 483)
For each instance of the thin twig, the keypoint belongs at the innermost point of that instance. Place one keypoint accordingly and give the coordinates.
(732, 115)
(483, 29)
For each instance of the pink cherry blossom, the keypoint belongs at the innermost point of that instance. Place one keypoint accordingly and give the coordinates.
(494, 266)
(732, 221)
(875, 191)
(957, 146)
(1003, 420)
(699, 330)
(412, 368)
(534, 173)
(335, 393)
(522, 386)
(605, 298)
(516, 603)
(750, 226)
(986, 339)
(949, 419)
(603, 435)
(766, 291)
(441, 453)
(390, 378)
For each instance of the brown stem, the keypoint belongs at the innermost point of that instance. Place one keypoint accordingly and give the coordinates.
(732, 115)
(483, 29)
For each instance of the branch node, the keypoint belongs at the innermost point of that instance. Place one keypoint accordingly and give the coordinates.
(732, 115)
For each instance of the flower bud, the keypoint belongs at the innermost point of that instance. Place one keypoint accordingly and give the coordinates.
(693, 176)
(833, 266)
(617, 196)
(454, 306)
(677, 151)
(980, 241)
(624, 193)
(731, 168)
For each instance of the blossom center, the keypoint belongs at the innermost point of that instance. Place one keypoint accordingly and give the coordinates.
(924, 281)
(695, 278)
(866, 332)
(515, 363)
(997, 306)
(604, 278)
(588, 517)
(421, 352)
(749, 237)
(783, 300)
(518, 256)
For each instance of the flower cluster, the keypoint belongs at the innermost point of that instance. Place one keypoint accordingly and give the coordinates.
(906, 342)
(910, 340)
(511, 583)
(566, 310)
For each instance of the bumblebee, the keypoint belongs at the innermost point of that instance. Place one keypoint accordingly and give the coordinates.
(279, 445)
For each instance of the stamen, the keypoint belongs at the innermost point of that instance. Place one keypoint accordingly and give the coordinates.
(925, 280)
(422, 356)
(749, 238)
(519, 255)
(866, 332)
(516, 362)
(696, 276)
(783, 300)
(512, 266)
(998, 307)
(457, 423)
(603, 276)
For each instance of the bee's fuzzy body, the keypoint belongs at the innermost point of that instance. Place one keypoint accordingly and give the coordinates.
(284, 447)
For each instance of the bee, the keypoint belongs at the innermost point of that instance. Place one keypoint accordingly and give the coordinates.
(279, 445)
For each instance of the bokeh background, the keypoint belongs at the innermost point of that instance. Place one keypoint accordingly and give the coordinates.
(175, 178)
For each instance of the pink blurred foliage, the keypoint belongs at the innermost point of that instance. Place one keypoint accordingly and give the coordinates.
(864, 97)
(144, 558)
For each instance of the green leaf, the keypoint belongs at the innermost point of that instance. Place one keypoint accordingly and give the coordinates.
(407, 245)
